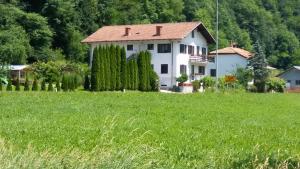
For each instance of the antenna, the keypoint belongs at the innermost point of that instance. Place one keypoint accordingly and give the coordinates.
(217, 43)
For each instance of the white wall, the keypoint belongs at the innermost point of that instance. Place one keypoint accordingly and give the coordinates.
(184, 59)
(227, 64)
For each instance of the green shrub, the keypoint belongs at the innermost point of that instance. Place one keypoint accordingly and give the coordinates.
(154, 81)
(196, 85)
(9, 85)
(43, 85)
(183, 78)
(87, 83)
(276, 84)
(26, 85)
(243, 76)
(50, 87)
(18, 86)
(208, 82)
(1, 86)
(35, 85)
(57, 85)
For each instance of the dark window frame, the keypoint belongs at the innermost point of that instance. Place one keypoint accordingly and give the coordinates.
(150, 46)
(164, 48)
(213, 72)
(129, 47)
(193, 34)
(201, 70)
(183, 69)
(191, 50)
(204, 49)
(183, 48)
(297, 82)
(164, 69)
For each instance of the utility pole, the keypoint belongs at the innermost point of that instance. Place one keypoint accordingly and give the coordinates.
(217, 43)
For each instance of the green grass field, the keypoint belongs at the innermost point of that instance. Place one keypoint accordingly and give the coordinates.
(149, 130)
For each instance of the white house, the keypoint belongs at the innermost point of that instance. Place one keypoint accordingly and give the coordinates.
(229, 59)
(292, 77)
(176, 48)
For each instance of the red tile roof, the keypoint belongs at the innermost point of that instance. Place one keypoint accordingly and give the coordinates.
(233, 50)
(169, 31)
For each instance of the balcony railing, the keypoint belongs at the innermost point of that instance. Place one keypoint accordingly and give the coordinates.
(199, 59)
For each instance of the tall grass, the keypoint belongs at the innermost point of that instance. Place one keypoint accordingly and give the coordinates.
(149, 130)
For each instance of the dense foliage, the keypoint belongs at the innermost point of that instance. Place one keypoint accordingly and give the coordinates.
(51, 30)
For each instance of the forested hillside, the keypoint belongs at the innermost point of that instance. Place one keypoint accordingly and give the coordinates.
(32, 30)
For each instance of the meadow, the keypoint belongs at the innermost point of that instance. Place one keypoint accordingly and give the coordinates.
(149, 130)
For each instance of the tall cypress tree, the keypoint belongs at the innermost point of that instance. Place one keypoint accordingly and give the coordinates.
(18, 87)
(107, 69)
(148, 70)
(135, 75)
(123, 71)
(112, 55)
(26, 85)
(118, 68)
(101, 74)
(142, 71)
(35, 85)
(94, 71)
(128, 75)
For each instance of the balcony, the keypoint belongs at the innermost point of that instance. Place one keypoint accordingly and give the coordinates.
(202, 59)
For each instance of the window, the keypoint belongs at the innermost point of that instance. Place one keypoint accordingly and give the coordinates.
(193, 34)
(164, 68)
(164, 48)
(204, 51)
(289, 81)
(198, 50)
(182, 48)
(213, 72)
(211, 59)
(298, 82)
(129, 47)
(201, 70)
(193, 69)
(191, 50)
(150, 47)
(182, 69)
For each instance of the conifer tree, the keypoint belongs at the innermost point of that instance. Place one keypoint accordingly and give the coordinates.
(43, 85)
(86, 83)
(118, 68)
(64, 83)
(18, 86)
(107, 69)
(50, 86)
(94, 72)
(123, 72)
(57, 85)
(35, 86)
(101, 71)
(128, 75)
(135, 75)
(9, 85)
(148, 70)
(113, 68)
(26, 85)
(259, 64)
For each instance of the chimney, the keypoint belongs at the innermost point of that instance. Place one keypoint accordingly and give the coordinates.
(127, 31)
(158, 30)
(233, 44)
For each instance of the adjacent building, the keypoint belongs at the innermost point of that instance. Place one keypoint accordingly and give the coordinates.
(229, 59)
(292, 77)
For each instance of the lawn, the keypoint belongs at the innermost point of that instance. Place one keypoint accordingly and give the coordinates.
(149, 130)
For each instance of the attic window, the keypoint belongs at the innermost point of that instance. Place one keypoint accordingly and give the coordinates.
(193, 34)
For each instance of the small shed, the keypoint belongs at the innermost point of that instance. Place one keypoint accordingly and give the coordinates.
(292, 77)
(18, 71)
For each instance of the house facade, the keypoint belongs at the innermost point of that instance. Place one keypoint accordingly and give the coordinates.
(292, 77)
(176, 48)
(229, 59)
